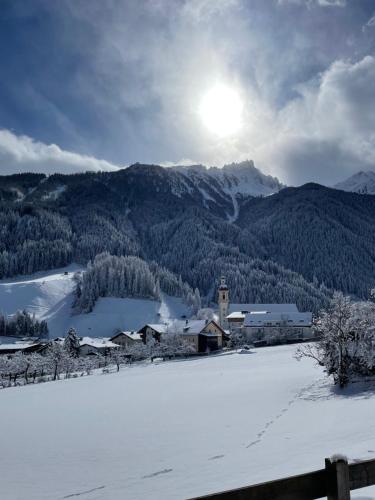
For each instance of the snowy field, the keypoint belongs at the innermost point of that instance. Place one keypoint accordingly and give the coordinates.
(179, 429)
(49, 295)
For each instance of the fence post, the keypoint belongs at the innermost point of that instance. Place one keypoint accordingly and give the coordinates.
(338, 487)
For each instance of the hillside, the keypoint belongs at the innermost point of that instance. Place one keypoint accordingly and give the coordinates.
(49, 295)
(324, 234)
(138, 435)
(291, 246)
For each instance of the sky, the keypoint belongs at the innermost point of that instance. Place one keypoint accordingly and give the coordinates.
(102, 84)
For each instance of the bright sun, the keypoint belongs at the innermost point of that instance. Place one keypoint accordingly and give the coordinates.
(221, 110)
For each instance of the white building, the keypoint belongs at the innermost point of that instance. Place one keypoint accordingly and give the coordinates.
(272, 326)
(263, 322)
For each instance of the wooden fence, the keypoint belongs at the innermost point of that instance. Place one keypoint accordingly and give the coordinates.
(335, 482)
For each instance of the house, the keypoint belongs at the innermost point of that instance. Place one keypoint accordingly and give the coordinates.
(126, 339)
(263, 322)
(93, 346)
(154, 331)
(204, 335)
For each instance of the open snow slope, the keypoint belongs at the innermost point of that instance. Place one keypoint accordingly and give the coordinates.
(49, 295)
(179, 429)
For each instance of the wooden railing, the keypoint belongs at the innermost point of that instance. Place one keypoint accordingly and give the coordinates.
(335, 482)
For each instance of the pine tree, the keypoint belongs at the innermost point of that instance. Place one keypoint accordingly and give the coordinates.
(72, 343)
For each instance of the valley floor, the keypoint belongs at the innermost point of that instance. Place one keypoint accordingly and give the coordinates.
(178, 429)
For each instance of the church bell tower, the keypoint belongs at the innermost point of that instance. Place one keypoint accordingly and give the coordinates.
(223, 303)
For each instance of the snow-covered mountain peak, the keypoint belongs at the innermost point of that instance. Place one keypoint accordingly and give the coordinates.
(235, 178)
(361, 182)
(226, 184)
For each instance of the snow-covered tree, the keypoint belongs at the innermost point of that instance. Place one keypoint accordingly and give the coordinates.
(72, 343)
(347, 339)
(57, 357)
(173, 344)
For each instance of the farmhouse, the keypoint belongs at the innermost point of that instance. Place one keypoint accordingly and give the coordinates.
(204, 335)
(126, 339)
(92, 346)
(152, 331)
(269, 322)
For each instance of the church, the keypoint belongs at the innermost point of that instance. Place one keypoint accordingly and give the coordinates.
(267, 323)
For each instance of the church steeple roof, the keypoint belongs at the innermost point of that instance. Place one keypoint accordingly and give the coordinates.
(223, 285)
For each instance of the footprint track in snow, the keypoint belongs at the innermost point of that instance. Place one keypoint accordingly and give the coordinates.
(297, 396)
(157, 473)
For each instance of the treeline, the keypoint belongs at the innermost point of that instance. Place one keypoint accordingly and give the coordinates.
(113, 276)
(22, 324)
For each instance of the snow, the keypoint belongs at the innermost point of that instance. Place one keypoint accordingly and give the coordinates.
(362, 182)
(180, 429)
(257, 318)
(131, 335)
(15, 345)
(97, 342)
(49, 295)
(283, 308)
(234, 180)
(54, 194)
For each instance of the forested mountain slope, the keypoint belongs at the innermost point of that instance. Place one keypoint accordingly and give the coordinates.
(282, 247)
(322, 233)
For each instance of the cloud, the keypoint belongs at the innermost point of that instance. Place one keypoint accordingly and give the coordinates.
(327, 132)
(310, 3)
(134, 74)
(23, 154)
(371, 22)
(184, 162)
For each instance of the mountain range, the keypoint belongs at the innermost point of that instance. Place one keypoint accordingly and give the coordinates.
(273, 243)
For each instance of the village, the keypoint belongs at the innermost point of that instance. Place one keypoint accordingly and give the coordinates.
(232, 326)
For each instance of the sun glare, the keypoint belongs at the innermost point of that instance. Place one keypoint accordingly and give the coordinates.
(221, 110)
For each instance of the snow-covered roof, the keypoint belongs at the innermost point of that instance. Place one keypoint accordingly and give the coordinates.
(16, 346)
(183, 327)
(247, 308)
(278, 318)
(97, 342)
(159, 327)
(236, 315)
(190, 327)
(130, 335)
